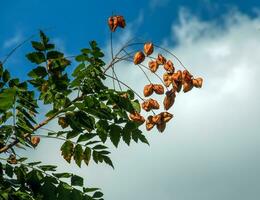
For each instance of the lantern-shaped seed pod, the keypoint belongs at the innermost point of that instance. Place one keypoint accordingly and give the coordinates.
(148, 48)
(149, 123)
(166, 116)
(197, 82)
(139, 57)
(135, 116)
(167, 78)
(160, 59)
(150, 104)
(187, 86)
(169, 99)
(161, 126)
(158, 88)
(153, 66)
(148, 90)
(168, 66)
(121, 21)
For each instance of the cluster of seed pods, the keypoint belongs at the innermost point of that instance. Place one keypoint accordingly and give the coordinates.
(173, 80)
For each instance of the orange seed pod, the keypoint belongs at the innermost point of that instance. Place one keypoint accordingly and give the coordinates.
(153, 65)
(148, 90)
(158, 88)
(139, 57)
(148, 48)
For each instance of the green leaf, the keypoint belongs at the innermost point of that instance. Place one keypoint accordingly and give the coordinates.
(86, 190)
(85, 137)
(47, 167)
(78, 154)
(44, 38)
(54, 55)
(136, 105)
(36, 57)
(9, 170)
(38, 72)
(7, 99)
(108, 161)
(38, 46)
(62, 175)
(76, 180)
(115, 134)
(67, 150)
(87, 155)
(97, 194)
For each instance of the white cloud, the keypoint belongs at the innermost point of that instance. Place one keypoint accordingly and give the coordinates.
(13, 41)
(210, 150)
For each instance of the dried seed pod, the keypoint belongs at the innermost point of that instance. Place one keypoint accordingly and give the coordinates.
(139, 57)
(177, 76)
(177, 85)
(115, 21)
(166, 116)
(121, 21)
(149, 123)
(35, 140)
(168, 66)
(135, 116)
(161, 126)
(187, 86)
(153, 65)
(150, 104)
(63, 122)
(160, 59)
(197, 82)
(186, 76)
(167, 78)
(148, 48)
(158, 88)
(148, 90)
(154, 104)
(157, 119)
(169, 99)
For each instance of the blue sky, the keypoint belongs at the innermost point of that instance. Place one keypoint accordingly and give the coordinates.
(211, 148)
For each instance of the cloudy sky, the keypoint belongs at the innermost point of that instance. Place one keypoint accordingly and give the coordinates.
(211, 148)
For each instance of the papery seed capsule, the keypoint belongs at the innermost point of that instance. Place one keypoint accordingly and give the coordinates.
(137, 117)
(121, 21)
(177, 85)
(35, 140)
(148, 90)
(153, 66)
(167, 78)
(150, 104)
(160, 59)
(161, 126)
(187, 86)
(197, 82)
(169, 99)
(157, 119)
(168, 66)
(166, 116)
(149, 123)
(110, 22)
(158, 88)
(186, 76)
(139, 57)
(148, 48)
(177, 76)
